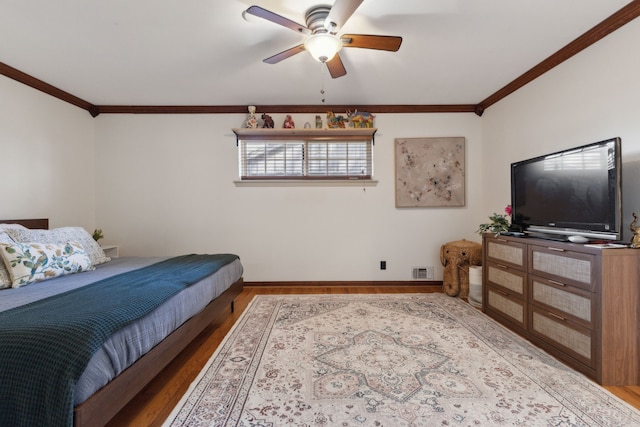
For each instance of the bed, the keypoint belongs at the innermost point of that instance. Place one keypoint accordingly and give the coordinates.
(131, 356)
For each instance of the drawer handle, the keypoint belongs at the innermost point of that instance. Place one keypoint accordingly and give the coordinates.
(556, 249)
(556, 282)
(504, 267)
(506, 294)
(556, 316)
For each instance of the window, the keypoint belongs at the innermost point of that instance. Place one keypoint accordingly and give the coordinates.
(312, 155)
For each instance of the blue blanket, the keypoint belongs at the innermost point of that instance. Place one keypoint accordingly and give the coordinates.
(45, 346)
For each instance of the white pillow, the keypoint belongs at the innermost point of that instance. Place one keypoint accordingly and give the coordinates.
(34, 262)
(8, 226)
(63, 235)
(5, 278)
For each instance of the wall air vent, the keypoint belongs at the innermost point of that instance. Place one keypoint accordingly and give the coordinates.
(422, 273)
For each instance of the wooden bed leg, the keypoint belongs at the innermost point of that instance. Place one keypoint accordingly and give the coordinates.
(232, 305)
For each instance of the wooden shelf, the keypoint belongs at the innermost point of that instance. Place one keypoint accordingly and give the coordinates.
(306, 134)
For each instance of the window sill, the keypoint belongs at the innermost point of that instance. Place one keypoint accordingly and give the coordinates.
(306, 183)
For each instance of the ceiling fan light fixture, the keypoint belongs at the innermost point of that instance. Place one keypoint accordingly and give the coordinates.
(322, 46)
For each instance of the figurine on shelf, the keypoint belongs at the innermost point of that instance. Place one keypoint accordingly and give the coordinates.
(361, 119)
(318, 122)
(635, 240)
(268, 121)
(288, 123)
(335, 122)
(251, 122)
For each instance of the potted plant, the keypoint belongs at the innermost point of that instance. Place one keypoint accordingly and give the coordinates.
(498, 224)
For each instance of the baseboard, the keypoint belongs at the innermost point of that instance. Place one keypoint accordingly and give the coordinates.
(356, 283)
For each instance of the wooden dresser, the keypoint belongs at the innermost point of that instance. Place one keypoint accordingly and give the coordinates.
(578, 303)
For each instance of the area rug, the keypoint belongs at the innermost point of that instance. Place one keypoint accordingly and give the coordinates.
(386, 360)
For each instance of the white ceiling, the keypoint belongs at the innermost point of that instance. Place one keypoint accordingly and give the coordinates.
(202, 52)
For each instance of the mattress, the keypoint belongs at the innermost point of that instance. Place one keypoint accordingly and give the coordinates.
(130, 343)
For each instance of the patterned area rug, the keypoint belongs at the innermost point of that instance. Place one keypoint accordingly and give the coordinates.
(386, 360)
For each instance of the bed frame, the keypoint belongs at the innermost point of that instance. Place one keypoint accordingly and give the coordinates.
(110, 399)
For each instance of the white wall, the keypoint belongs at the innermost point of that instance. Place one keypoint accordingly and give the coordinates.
(165, 185)
(46, 158)
(593, 96)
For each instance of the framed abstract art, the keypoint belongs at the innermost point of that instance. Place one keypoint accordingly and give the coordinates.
(430, 172)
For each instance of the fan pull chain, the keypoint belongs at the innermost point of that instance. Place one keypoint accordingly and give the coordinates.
(322, 72)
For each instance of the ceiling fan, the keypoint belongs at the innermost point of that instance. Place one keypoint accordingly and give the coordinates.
(323, 23)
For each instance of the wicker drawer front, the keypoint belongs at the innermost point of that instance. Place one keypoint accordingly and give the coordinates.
(506, 252)
(568, 267)
(507, 278)
(511, 308)
(574, 303)
(571, 339)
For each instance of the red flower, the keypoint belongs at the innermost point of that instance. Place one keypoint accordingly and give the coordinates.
(507, 210)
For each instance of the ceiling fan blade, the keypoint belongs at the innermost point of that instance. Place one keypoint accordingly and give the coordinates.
(390, 43)
(336, 67)
(277, 19)
(340, 12)
(284, 54)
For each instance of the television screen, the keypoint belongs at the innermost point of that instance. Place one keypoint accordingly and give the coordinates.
(572, 192)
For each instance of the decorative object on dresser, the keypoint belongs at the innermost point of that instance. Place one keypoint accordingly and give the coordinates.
(499, 222)
(579, 303)
(635, 239)
(456, 257)
(386, 360)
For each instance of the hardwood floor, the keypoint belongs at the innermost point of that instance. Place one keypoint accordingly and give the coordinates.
(152, 406)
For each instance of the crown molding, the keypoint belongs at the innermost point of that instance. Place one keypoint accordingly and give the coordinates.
(271, 109)
(623, 16)
(45, 87)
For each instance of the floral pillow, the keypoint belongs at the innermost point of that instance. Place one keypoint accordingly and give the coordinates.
(5, 279)
(33, 262)
(63, 235)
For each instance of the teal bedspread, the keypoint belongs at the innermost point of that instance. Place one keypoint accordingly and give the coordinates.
(45, 346)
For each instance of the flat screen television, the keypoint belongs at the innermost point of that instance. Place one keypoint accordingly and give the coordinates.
(574, 192)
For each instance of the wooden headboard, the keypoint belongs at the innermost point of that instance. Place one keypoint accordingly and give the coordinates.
(29, 223)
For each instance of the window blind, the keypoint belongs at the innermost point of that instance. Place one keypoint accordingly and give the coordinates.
(306, 159)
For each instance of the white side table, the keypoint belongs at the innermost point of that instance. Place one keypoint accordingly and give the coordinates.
(110, 250)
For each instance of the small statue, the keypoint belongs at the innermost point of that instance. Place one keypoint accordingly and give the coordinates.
(268, 121)
(251, 122)
(318, 122)
(288, 123)
(360, 119)
(335, 122)
(635, 240)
